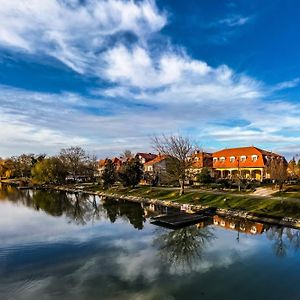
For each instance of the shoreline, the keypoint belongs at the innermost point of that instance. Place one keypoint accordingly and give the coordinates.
(192, 208)
(233, 213)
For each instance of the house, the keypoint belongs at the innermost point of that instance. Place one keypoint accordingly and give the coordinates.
(101, 165)
(200, 160)
(145, 157)
(156, 165)
(247, 162)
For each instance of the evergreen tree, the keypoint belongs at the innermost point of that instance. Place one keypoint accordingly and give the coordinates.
(109, 175)
(204, 176)
(131, 173)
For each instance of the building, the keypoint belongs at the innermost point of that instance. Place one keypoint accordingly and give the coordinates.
(156, 165)
(145, 157)
(247, 162)
(101, 165)
(200, 160)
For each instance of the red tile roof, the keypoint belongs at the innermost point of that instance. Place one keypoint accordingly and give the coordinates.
(156, 160)
(260, 162)
(201, 160)
(146, 156)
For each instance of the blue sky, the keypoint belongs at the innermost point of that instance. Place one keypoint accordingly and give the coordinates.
(108, 75)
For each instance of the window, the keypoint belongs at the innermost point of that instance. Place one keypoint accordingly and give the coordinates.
(254, 157)
(243, 158)
(232, 159)
(222, 159)
(215, 159)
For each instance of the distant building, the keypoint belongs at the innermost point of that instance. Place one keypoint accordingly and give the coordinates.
(145, 157)
(101, 165)
(200, 160)
(156, 165)
(246, 162)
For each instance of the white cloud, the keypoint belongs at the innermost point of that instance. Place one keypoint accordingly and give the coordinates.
(234, 21)
(71, 31)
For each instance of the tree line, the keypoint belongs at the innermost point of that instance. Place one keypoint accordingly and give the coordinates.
(50, 169)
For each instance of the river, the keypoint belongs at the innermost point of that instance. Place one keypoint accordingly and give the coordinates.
(56, 245)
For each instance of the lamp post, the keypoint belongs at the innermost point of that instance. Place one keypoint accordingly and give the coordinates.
(239, 174)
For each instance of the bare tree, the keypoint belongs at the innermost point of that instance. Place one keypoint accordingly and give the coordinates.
(178, 149)
(277, 168)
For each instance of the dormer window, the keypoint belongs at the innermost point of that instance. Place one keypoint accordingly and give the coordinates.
(243, 158)
(222, 159)
(215, 159)
(232, 159)
(254, 157)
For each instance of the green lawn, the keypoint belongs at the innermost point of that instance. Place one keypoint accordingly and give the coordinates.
(275, 207)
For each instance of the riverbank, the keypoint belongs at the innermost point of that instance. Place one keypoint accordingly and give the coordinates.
(260, 209)
(272, 210)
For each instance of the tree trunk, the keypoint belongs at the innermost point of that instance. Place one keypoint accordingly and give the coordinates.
(181, 192)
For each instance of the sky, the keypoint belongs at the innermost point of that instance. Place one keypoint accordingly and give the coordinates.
(107, 75)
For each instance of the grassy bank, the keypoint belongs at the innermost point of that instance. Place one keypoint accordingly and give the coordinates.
(275, 207)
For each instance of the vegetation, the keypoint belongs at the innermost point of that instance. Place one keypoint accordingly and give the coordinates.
(131, 172)
(275, 207)
(72, 161)
(178, 149)
(109, 175)
(204, 176)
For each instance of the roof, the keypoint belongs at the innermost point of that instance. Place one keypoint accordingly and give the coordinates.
(156, 160)
(201, 160)
(242, 151)
(146, 156)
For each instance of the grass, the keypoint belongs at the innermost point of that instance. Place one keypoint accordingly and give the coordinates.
(275, 207)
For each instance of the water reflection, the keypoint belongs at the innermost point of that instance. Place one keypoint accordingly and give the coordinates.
(180, 247)
(68, 246)
(183, 248)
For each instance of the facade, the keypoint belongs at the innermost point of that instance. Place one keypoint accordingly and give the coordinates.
(116, 161)
(145, 157)
(156, 165)
(247, 162)
(200, 160)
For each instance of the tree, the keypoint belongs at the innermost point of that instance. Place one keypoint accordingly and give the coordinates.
(109, 175)
(277, 168)
(178, 149)
(74, 159)
(131, 172)
(49, 170)
(127, 154)
(204, 176)
(78, 162)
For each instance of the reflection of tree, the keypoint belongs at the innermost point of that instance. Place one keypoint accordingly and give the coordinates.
(133, 212)
(275, 234)
(182, 248)
(78, 208)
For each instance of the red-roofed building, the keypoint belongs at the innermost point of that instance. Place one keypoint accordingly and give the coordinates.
(156, 165)
(248, 162)
(116, 161)
(145, 157)
(200, 160)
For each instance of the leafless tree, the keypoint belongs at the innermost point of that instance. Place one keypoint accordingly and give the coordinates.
(277, 168)
(178, 149)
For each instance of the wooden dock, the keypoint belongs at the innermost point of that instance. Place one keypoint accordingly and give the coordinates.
(178, 220)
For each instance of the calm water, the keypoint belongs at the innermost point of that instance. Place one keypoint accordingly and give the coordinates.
(58, 246)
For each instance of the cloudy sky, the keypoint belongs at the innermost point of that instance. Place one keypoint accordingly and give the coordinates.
(109, 74)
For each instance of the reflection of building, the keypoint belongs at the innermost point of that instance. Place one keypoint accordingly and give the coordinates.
(240, 225)
(245, 162)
